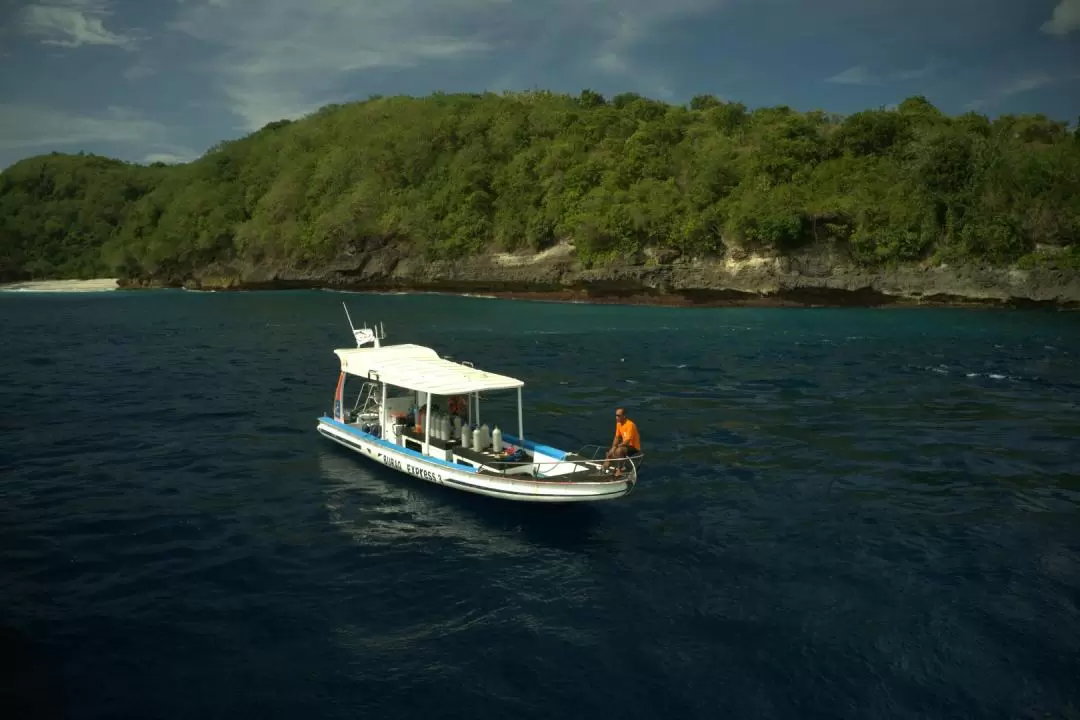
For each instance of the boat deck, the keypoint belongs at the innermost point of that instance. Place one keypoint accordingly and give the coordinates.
(490, 463)
(415, 441)
(489, 459)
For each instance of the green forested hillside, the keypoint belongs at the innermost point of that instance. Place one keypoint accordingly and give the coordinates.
(454, 174)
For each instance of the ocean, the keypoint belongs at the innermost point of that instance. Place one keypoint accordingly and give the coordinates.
(842, 513)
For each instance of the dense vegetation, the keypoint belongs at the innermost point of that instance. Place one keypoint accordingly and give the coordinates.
(453, 174)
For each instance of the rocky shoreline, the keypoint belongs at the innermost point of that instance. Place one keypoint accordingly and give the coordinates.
(53, 286)
(808, 298)
(819, 277)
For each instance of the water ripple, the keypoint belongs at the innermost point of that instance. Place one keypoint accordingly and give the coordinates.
(842, 514)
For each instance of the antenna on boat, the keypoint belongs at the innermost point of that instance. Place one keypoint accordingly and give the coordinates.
(347, 316)
(365, 334)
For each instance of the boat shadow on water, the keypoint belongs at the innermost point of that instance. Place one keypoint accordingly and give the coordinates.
(374, 489)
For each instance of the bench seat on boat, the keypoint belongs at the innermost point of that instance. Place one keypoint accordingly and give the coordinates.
(489, 459)
(454, 446)
(435, 442)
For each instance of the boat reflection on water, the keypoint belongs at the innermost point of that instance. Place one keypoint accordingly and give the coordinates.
(370, 502)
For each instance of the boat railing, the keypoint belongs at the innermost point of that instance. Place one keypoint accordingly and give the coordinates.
(598, 453)
(367, 402)
(589, 464)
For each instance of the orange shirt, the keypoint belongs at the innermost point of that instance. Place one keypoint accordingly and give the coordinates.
(628, 432)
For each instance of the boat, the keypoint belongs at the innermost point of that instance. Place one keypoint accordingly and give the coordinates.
(390, 423)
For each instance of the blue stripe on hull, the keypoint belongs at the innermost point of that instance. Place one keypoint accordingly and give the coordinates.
(454, 482)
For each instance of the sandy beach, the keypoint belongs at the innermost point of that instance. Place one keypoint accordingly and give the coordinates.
(96, 285)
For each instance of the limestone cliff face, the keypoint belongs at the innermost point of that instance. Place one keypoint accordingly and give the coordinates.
(818, 276)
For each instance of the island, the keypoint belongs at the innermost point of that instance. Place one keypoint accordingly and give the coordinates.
(580, 197)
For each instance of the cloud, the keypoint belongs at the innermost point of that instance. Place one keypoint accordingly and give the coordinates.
(170, 158)
(625, 23)
(33, 128)
(282, 58)
(1024, 83)
(1066, 18)
(28, 126)
(857, 75)
(916, 74)
(1020, 84)
(139, 71)
(860, 75)
(274, 59)
(71, 23)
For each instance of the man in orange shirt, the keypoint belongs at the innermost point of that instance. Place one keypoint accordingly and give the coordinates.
(626, 442)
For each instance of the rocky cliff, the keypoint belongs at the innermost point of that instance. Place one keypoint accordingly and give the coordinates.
(821, 276)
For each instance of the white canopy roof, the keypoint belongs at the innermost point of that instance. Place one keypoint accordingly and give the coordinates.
(420, 368)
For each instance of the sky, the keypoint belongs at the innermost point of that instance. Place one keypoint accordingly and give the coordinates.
(149, 80)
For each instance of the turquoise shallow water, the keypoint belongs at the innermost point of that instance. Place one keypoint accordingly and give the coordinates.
(843, 513)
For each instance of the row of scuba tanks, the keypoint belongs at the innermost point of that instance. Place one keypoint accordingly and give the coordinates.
(478, 438)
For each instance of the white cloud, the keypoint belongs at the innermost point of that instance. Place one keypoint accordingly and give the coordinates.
(71, 23)
(857, 75)
(139, 71)
(915, 74)
(170, 158)
(860, 75)
(1024, 83)
(1066, 18)
(281, 58)
(626, 23)
(30, 126)
(26, 129)
(284, 58)
(1020, 84)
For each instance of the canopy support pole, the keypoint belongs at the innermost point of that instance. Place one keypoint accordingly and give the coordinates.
(427, 426)
(384, 420)
(521, 423)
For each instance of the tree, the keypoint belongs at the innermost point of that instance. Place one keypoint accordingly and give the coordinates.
(455, 174)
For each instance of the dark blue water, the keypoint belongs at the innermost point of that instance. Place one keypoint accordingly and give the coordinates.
(843, 514)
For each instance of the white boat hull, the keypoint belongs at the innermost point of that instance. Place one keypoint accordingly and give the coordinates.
(522, 488)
